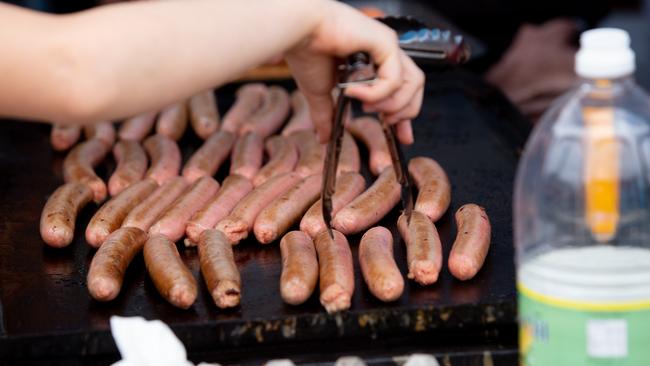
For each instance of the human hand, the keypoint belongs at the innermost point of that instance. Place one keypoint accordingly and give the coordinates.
(538, 66)
(397, 93)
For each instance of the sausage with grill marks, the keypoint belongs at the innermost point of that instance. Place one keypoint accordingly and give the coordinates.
(283, 157)
(60, 213)
(110, 216)
(299, 267)
(168, 272)
(369, 131)
(434, 189)
(109, 264)
(378, 264)
(336, 271)
(219, 269)
(147, 212)
(472, 242)
(423, 248)
(209, 157)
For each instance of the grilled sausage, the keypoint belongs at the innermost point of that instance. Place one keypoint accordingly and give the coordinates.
(169, 274)
(369, 131)
(423, 248)
(286, 209)
(147, 212)
(247, 155)
(78, 166)
(233, 189)
(299, 267)
(102, 130)
(138, 127)
(207, 159)
(219, 269)
(434, 189)
(109, 264)
(348, 187)
(165, 158)
(204, 116)
(131, 166)
(240, 221)
(311, 154)
(283, 157)
(271, 115)
(60, 213)
(250, 98)
(172, 121)
(472, 242)
(172, 223)
(110, 216)
(336, 271)
(378, 264)
(301, 119)
(349, 160)
(370, 206)
(64, 137)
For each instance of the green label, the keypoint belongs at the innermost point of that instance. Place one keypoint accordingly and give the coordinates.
(563, 333)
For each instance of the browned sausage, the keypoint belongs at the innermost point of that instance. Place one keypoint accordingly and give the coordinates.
(336, 271)
(147, 212)
(64, 137)
(60, 213)
(219, 269)
(370, 206)
(378, 264)
(233, 189)
(131, 166)
(172, 121)
(311, 154)
(138, 127)
(209, 157)
(299, 267)
(283, 157)
(172, 223)
(249, 100)
(301, 119)
(349, 160)
(110, 216)
(348, 187)
(102, 130)
(169, 274)
(78, 166)
(286, 209)
(240, 221)
(472, 242)
(369, 131)
(271, 115)
(165, 158)
(247, 155)
(109, 264)
(423, 248)
(434, 189)
(204, 116)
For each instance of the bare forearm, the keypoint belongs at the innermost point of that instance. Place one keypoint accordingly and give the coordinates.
(118, 60)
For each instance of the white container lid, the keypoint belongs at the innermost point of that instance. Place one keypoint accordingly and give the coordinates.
(605, 53)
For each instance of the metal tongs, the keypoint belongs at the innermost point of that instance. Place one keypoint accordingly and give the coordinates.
(359, 69)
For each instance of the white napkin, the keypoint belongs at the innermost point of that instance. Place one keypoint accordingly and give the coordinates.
(147, 343)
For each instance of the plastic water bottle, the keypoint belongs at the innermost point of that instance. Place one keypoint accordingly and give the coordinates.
(582, 217)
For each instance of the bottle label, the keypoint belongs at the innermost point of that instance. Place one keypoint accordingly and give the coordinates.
(560, 332)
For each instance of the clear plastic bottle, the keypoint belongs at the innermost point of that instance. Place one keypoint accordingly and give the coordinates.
(582, 218)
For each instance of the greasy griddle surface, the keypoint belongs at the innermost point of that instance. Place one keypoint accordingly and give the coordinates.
(46, 309)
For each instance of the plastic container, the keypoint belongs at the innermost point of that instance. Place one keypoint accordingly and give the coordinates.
(582, 218)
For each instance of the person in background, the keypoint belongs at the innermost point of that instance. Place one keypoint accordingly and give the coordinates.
(118, 60)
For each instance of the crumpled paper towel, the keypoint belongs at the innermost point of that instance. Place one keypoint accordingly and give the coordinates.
(144, 342)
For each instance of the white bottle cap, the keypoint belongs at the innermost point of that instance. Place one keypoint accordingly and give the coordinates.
(604, 53)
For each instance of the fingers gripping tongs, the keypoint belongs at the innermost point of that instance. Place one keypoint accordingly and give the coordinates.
(359, 69)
